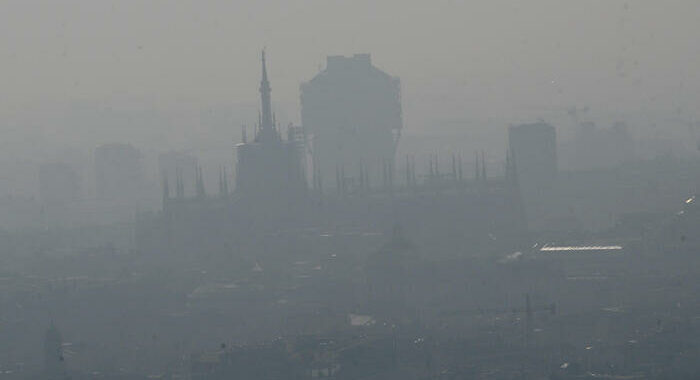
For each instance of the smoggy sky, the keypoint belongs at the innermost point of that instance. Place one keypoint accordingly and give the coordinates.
(150, 71)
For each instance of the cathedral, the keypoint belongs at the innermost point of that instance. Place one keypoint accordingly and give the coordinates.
(447, 210)
(269, 163)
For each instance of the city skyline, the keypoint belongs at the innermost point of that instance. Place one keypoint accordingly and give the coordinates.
(349, 190)
(634, 57)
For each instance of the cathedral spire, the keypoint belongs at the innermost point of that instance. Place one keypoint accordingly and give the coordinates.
(267, 128)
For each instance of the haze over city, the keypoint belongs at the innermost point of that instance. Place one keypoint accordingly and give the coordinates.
(349, 190)
(82, 73)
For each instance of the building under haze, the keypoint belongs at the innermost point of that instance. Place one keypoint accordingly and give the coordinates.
(442, 208)
(534, 154)
(270, 167)
(352, 110)
(533, 148)
(118, 172)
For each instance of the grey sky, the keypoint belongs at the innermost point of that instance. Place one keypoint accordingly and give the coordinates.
(485, 61)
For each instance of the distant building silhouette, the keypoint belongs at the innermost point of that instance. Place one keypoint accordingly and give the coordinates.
(441, 208)
(352, 110)
(533, 150)
(269, 168)
(118, 172)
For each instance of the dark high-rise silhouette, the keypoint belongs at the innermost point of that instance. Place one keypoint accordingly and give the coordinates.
(352, 109)
(533, 148)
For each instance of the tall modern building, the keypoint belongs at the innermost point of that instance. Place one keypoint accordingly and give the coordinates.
(118, 172)
(271, 201)
(352, 111)
(534, 160)
(270, 167)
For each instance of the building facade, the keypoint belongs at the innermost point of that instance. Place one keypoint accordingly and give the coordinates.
(533, 148)
(352, 112)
